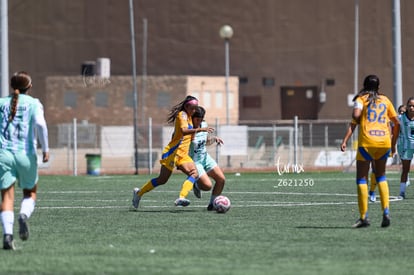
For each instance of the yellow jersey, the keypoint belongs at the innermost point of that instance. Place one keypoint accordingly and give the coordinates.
(374, 122)
(179, 144)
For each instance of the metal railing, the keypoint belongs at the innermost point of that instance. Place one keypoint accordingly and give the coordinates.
(288, 142)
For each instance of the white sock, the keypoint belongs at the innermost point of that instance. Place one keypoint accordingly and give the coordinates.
(402, 187)
(27, 207)
(7, 219)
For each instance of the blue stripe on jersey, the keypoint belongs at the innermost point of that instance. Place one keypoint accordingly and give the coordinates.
(364, 153)
(171, 151)
(386, 155)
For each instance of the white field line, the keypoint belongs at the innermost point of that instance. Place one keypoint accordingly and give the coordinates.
(240, 203)
(227, 192)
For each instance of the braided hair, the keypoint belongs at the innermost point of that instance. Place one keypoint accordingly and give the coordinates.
(20, 82)
(180, 107)
(371, 87)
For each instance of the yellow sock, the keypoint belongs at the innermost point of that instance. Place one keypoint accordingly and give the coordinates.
(373, 182)
(186, 188)
(151, 184)
(384, 195)
(363, 199)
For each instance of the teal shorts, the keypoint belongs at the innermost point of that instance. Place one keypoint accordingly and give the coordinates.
(20, 167)
(405, 154)
(205, 165)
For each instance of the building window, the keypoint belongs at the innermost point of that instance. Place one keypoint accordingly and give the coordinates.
(231, 100)
(163, 99)
(219, 100)
(253, 102)
(330, 82)
(196, 94)
(101, 99)
(207, 99)
(243, 79)
(69, 99)
(129, 99)
(268, 81)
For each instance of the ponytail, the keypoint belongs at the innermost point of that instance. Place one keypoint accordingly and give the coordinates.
(21, 82)
(13, 104)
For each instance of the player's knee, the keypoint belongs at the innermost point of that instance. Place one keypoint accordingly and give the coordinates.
(159, 181)
(205, 186)
(193, 173)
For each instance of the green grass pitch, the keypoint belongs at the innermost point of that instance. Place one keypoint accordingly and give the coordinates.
(278, 224)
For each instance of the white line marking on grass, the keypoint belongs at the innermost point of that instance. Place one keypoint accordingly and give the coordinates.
(196, 204)
(236, 205)
(293, 193)
(81, 207)
(284, 204)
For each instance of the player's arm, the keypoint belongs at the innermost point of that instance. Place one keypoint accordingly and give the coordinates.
(188, 131)
(395, 132)
(214, 139)
(183, 125)
(348, 134)
(356, 113)
(42, 131)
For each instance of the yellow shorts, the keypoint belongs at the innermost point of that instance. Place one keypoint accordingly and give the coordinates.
(173, 161)
(372, 153)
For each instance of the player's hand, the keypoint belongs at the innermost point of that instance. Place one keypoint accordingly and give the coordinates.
(45, 156)
(395, 159)
(392, 150)
(209, 129)
(219, 141)
(343, 147)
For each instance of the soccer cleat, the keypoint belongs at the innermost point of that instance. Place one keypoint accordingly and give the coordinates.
(402, 196)
(386, 221)
(196, 191)
(182, 202)
(372, 196)
(361, 223)
(210, 207)
(8, 243)
(23, 227)
(135, 198)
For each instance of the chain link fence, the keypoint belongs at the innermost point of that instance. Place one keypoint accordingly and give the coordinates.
(254, 146)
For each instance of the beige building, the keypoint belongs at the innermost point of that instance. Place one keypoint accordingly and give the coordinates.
(110, 101)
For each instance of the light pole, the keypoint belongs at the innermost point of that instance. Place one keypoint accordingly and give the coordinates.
(134, 83)
(226, 32)
(4, 48)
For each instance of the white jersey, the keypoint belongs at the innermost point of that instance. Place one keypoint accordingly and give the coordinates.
(406, 136)
(20, 134)
(198, 149)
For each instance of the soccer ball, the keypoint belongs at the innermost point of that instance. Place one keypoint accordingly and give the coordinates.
(222, 204)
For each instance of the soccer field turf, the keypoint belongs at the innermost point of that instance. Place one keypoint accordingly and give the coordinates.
(278, 224)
